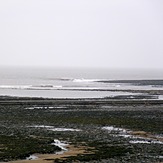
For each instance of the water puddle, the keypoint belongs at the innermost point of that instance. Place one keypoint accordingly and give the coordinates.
(136, 137)
(52, 128)
(32, 157)
(45, 107)
(145, 142)
(61, 145)
(64, 129)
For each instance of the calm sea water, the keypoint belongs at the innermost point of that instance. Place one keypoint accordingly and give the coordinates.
(71, 82)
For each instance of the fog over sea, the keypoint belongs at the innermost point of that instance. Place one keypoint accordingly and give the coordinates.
(76, 83)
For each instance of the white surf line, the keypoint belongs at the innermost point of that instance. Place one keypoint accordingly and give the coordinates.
(127, 134)
(80, 80)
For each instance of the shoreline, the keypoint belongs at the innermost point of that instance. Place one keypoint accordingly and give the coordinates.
(11, 100)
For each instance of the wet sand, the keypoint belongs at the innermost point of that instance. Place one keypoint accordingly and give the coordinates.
(143, 134)
(49, 158)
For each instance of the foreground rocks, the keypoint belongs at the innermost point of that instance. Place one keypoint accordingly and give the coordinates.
(20, 136)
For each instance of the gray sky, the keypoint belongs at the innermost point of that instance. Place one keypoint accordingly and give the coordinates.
(82, 33)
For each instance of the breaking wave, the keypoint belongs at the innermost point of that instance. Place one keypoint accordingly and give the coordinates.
(78, 79)
(87, 80)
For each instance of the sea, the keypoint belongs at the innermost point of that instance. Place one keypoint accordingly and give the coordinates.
(77, 82)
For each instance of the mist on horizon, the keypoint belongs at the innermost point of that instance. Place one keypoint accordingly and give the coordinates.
(88, 34)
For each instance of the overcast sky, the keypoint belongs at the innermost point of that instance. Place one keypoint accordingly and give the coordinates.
(82, 33)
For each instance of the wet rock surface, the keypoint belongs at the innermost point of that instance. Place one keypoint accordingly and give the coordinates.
(82, 123)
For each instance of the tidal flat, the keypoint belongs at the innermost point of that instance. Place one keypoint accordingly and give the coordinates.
(101, 130)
